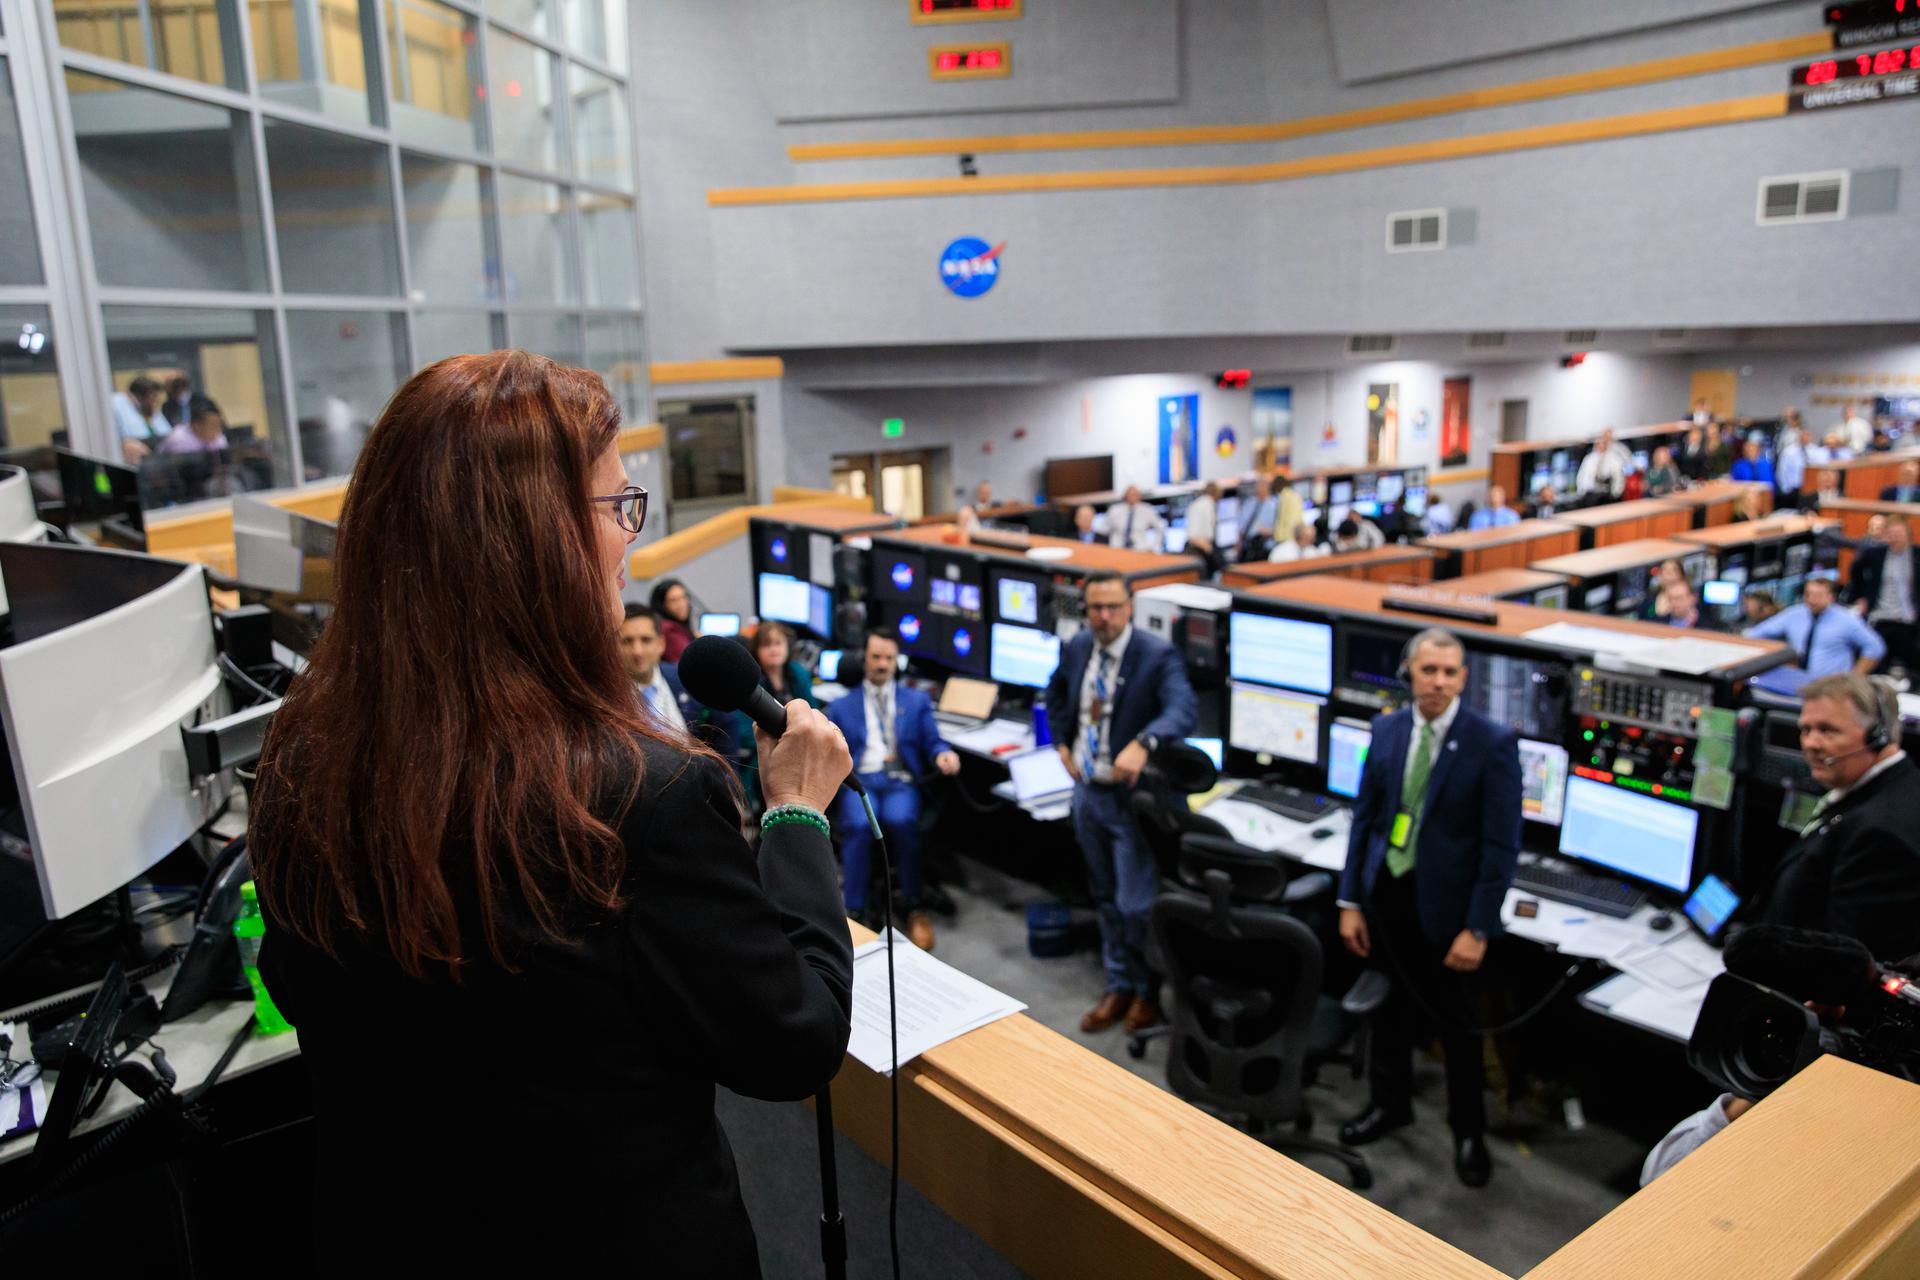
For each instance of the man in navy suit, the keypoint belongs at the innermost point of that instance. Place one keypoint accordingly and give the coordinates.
(1436, 833)
(657, 684)
(1117, 694)
(894, 741)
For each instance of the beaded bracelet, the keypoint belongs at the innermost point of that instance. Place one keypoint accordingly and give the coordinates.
(786, 813)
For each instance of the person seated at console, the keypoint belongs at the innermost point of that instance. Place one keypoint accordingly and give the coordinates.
(1132, 523)
(1681, 607)
(1496, 514)
(1856, 867)
(895, 742)
(1828, 640)
(1303, 545)
(1083, 530)
(1357, 533)
(204, 432)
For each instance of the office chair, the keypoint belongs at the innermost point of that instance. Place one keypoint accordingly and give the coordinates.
(1250, 1024)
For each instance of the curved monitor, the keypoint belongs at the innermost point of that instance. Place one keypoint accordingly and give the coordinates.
(113, 655)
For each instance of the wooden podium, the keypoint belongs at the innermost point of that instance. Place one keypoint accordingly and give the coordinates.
(1072, 1166)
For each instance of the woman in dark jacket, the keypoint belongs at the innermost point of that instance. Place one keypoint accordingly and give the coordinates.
(780, 676)
(516, 924)
(674, 605)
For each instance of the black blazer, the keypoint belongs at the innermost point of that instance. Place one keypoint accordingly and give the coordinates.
(1870, 566)
(1469, 839)
(1858, 873)
(565, 1113)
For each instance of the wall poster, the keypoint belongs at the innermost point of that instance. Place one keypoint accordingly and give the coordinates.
(1383, 422)
(1456, 421)
(1272, 431)
(1179, 438)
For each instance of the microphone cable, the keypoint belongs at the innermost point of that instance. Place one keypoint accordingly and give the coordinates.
(893, 1040)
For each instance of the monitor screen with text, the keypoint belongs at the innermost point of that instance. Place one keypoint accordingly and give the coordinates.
(1280, 651)
(1630, 834)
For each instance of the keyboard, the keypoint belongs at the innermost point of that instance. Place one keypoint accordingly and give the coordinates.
(1288, 802)
(1600, 894)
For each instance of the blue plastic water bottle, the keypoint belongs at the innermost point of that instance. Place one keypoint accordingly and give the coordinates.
(1042, 736)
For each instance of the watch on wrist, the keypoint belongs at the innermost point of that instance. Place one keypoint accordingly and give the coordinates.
(1479, 935)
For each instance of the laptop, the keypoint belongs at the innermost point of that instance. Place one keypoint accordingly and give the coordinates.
(1039, 775)
(967, 703)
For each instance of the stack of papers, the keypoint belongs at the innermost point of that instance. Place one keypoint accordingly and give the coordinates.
(995, 733)
(937, 1003)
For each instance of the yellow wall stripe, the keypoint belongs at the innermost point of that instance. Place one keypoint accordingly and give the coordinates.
(1621, 77)
(1763, 106)
(647, 435)
(741, 369)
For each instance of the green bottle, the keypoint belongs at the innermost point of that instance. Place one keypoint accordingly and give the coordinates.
(248, 930)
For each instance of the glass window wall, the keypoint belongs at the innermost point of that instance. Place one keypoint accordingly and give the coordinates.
(332, 212)
(346, 364)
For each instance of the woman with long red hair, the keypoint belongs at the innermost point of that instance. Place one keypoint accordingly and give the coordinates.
(515, 922)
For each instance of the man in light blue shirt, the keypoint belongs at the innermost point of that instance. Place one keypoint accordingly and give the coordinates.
(1496, 514)
(1829, 641)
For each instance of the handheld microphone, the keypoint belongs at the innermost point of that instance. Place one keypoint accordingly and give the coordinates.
(720, 673)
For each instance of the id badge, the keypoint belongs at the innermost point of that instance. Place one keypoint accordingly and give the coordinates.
(1402, 828)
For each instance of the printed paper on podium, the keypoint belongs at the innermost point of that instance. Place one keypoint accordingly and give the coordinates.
(937, 1002)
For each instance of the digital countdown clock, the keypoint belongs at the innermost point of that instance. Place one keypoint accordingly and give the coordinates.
(1873, 21)
(963, 10)
(1855, 66)
(969, 62)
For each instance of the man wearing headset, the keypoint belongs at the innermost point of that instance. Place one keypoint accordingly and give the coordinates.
(1436, 833)
(1856, 867)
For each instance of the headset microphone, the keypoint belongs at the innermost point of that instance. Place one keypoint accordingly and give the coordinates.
(1827, 762)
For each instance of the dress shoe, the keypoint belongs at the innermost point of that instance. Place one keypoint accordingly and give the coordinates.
(1113, 1006)
(1371, 1124)
(1143, 1013)
(1471, 1161)
(920, 930)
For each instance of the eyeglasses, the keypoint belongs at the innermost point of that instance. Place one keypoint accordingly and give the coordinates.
(630, 511)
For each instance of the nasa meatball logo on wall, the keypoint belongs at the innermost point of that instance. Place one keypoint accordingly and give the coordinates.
(968, 267)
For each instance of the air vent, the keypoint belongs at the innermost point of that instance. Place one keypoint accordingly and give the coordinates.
(1370, 344)
(1416, 230)
(1486, 341)
(1669, 335)
(1580, 337)
(1802, 197)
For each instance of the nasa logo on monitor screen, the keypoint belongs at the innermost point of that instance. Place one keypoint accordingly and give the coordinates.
(777, 548)
(968, 267)
(962, 642)
(910, 627)
(902, 575)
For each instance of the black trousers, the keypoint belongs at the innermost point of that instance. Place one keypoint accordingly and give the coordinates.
(1427, 996)
(1900, 643)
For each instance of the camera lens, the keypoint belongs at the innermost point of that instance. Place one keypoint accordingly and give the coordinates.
(1769, 1046)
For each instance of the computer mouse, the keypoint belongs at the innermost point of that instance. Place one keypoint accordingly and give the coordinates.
(1321, 833)
(1660, 922)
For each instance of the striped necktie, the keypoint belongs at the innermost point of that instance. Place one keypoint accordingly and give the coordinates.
(1098, 713)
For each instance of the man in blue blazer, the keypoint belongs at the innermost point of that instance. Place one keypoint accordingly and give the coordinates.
(1436, 833)
(894, 741)
(1117, 694)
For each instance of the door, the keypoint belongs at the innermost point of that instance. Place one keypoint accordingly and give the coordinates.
(1513, 421)
(1716, 387)
(709, 457)
(905, 484)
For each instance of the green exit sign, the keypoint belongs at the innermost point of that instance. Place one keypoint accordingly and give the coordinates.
(893, 428)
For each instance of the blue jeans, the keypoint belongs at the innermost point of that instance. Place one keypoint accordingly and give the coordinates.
(896, 801)
(1123, 879)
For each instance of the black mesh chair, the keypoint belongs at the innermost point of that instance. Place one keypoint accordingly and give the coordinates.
(1249, 1022)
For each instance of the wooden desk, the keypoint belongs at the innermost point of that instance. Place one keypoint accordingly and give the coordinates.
(1711, 503)
(1140, 568)
(1512, 547)
(1502, 584)
(1862, 477)
(1503, 460)
(1363, 600)
(1379, 564)
(1785, 525)
(1618, 522)
(1602, 561)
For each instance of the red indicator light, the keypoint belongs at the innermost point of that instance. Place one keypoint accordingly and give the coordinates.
(513, 88)
(1892, 986)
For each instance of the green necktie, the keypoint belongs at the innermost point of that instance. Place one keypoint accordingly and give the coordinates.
(1413, 798)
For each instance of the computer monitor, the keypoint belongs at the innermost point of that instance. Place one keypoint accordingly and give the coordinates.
(785, 599)
(1371, 659)
(1228, 508)
(1597, 597)
(1339, 493)
(1710, 906)
(113, 653)
(1369, 509)
(1390, 488)
(1521, 692)
(942, 592)
(1543, 781)
(1639, 459)
(1226, 533)
(1366, 489)
(1347, 743)
(1768, 559)
(1289, 652)
(1017, 598)
(962, 644)
(820, 559)
(1213, 748)
(899, 575)
(1173, 539)
(1799, 558)
(1415, 501)
(1271, 723)
(919, 630)
(718, 624)
(826, 664)
(1696, 566)
(1337, 516)
(1024, 656)
(1629, 834)
(1538, 480)
(1720, 592)
(781, 549)
(94, 490)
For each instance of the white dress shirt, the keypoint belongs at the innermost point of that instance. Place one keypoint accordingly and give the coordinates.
(658, 700)
(1291, 550)
(880, 704)
(1103, 761)
(1142, 521)
(1202, 519)
(1603, 468)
